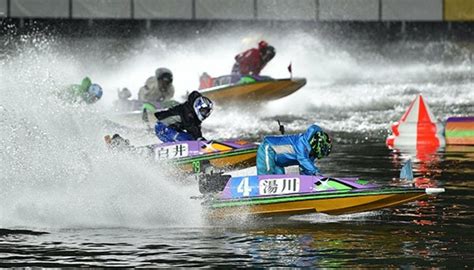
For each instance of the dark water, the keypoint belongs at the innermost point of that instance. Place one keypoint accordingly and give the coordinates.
(437, 232)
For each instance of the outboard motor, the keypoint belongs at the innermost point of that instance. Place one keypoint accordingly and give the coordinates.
(213, 182)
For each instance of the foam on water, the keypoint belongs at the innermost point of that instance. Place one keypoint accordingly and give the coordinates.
(324, 218)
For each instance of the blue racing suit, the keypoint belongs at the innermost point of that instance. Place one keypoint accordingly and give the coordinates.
(277, 152)
(169, 134)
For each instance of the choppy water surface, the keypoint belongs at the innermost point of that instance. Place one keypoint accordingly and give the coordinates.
(436, 232)
(66, 201)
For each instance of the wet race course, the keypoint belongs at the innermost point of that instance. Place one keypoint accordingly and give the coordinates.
(67, 201)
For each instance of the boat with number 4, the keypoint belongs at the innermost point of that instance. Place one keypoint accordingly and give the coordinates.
(300, 194)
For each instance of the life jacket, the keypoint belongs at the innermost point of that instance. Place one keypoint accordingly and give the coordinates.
(294, 150)
(249, 62)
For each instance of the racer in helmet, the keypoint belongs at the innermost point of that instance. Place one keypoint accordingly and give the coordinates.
(124, 94)
(94, 93)
(277, 152)
(158, 88)
(87, 92)
(252, 61)
(183, 122)
(321, 145)
(202, 107)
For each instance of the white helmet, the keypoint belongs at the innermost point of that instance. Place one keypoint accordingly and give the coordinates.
(203, 107)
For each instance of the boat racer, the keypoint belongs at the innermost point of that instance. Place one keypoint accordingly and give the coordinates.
(87, 92)
(252, 61)
(158, 88)
(183, 122)
(277, 152)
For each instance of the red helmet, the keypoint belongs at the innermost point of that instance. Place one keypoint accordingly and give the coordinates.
(262, 45)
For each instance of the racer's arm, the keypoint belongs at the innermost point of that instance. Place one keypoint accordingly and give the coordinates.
(169, 93)
(160, 115)
(196, 132)
(307, 166)
(238, 57)
(141, 93)
(85, 84)
(146, 91)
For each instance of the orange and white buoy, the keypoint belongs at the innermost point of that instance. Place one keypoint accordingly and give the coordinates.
(417, 127)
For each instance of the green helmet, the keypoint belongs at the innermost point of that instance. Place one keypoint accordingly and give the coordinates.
(321, 145)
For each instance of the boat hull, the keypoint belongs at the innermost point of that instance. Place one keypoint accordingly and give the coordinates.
(193, 156)
(290, 194)
(224, 160)
(332, 204)
(254, 92)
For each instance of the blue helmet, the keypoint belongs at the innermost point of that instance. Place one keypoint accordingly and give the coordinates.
(202, 107)
(94, 93)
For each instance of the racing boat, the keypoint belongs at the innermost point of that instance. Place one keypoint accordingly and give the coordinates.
(300, 194)
(251, 90)
(194, 156)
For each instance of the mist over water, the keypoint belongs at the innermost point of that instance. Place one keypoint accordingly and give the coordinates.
(56, 171)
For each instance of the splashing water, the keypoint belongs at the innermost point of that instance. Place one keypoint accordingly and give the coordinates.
(55, 170)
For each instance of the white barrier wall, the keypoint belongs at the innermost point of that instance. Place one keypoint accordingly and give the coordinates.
(39, 9)
(119, 9)
(349, 10)
(3, 8)
(412, 10)
(286, 10)
(228, 9)
(298, 10)
(163, 9)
